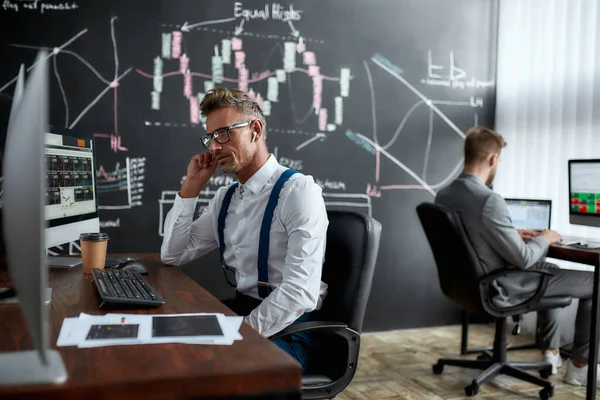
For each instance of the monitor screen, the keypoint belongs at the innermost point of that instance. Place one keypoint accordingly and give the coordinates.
(71, 198)
(530, 213)
(584, 192)
(584, 187)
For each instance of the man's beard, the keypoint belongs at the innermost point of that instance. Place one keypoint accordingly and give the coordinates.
(230, 167)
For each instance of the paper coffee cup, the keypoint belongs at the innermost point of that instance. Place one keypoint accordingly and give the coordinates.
(93, 250)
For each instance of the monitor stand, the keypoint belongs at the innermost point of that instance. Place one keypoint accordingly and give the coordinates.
(8, 296)
(63, 262)
(26, 368)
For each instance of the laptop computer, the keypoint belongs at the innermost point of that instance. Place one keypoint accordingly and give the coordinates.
(534, 214)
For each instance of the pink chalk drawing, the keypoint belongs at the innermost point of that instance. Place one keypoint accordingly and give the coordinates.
(322, 119)
(243, 79)
(240, 59)
(309, 58)
(184, 64)
(187, 85)
(373, 191)
(176, 45)
(236, 44)
(193, 109)
(314, 70)
(317, 92)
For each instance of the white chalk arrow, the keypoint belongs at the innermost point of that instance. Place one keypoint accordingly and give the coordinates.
(309, 141)
(186, 27)
(240, 28)
(294, 31)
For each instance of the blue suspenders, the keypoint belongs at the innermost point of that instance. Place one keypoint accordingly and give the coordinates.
(265, 230)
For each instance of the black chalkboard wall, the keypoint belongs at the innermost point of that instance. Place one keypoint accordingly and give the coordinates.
(370, 97)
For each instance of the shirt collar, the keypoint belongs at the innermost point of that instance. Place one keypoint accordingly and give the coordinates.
(472, 178)
(260, 178)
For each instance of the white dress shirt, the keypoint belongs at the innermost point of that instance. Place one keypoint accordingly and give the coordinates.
(296, 248)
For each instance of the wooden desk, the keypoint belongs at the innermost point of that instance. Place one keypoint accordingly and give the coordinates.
(589, 257)
(253, 367)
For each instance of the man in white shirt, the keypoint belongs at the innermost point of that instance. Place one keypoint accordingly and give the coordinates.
(271, 298)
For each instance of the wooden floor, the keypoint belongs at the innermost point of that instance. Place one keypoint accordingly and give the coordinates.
(397, 365)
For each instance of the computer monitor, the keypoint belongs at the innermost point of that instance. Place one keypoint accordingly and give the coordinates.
(532, 214)
(71, 199)
(584, 192)
(23, 225)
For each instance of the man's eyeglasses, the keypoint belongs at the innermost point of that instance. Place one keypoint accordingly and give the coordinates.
(222, 135)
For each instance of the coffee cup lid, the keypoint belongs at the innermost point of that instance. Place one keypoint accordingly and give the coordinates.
(94, 236)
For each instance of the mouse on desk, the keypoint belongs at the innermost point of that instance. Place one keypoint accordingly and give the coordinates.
(132, 266)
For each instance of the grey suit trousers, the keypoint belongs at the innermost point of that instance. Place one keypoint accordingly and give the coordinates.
(579, 285)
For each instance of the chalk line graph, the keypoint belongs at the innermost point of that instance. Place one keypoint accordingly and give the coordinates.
(131, 182)
(380, 150)
(54, 52)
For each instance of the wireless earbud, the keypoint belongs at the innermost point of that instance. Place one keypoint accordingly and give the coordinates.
(253, 136)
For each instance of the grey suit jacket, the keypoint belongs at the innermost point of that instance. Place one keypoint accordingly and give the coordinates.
(496, 242)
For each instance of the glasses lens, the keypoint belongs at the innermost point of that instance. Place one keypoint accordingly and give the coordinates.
(205, 141)
(221, 136)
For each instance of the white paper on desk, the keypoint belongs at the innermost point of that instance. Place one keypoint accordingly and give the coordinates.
(231, 326)
(128, 329)
(112, 329)
(190, 328)
(66, 331)
(228, 327)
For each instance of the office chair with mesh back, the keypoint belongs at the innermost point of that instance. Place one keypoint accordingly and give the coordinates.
(351, 252)
(464, 281)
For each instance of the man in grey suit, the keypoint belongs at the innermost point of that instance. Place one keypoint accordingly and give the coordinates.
(499, 245)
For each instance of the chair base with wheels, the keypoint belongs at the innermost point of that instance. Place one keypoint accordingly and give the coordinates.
(496, 363)
(464, 341)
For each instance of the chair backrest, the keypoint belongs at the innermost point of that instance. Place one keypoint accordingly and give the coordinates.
(350, 256)
(459, 268)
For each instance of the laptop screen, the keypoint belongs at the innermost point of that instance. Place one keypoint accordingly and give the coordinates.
(530, 213)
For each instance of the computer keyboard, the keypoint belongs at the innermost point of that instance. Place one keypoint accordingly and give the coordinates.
(125, 289)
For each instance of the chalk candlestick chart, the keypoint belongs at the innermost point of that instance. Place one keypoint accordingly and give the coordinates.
(230, 52)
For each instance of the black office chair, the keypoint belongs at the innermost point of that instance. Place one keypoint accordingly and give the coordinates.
(352, 247)
(463, 280)
(464, 337)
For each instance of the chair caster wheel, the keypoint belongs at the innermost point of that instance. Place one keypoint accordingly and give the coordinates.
(438, 368)
(472, 389)
(545, 394)
(546, 372)
(483, 357)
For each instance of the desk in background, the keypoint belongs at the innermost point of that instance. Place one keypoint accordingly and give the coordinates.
(252, 368)
(589, 257)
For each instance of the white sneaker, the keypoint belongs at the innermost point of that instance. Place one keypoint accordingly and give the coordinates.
(577, 376)
(554, 359)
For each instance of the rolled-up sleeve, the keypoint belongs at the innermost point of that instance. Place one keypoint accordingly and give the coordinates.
(185, 239)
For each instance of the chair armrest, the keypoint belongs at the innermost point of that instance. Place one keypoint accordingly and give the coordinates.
(510, 271)
(487, 280)
(351, 336)
(337, 328)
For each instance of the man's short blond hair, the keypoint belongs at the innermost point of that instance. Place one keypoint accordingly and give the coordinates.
(235, 98)
(480, 143)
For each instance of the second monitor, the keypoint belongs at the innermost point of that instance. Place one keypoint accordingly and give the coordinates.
(584, 192)
(71, 198)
